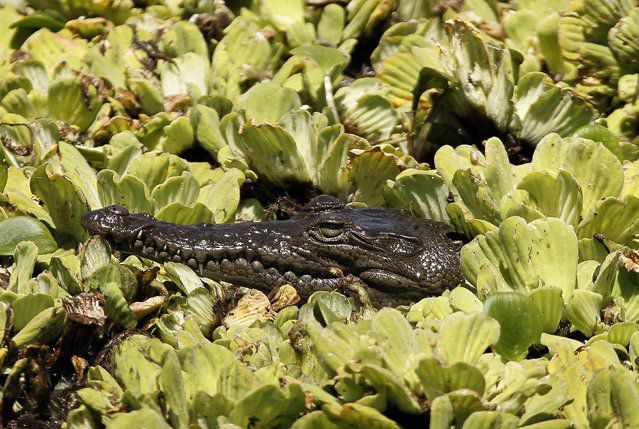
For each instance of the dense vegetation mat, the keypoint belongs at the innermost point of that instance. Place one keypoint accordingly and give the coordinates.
(515, 122)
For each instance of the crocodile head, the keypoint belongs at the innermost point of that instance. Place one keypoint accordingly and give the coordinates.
(399, 258)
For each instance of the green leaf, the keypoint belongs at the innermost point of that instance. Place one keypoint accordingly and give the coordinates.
(597, 171)
(273, 154)
(465, 337)
(271, 405)
(627, 276)
(122, 149)
(499, 173)
(398, 393)
(365, 110)
(477, 196)
(423, 193)
(178, 136)
(520, 323)
(15, 230)
(543, 108)
(4, 174)
(66, 203)
(583, 311)
(94, 254)
(212, 369)
(177, 189)
(484, 71)
(465, 300)
(66, 270)
(25, 255)
(329, 307)
(127, 191)
(525, 253)
(550, 304)
(601, 134)
(111, 61)
(223, 197)
(314, 420)
(172, 385)
(358, 416)
(19, 194)
(118, 274)
(116, 306)
(395, 337)
(187, 71)
(42, 328)
(266, 103)
(154, 168)
(72, 103)
(205, 307)
(330, 60)
(27, 307)
(494, 419)
(610, 397)
(77, 169)
(438, 380)
(183, 276)
(559, 197)
(148, 94)
(245, 52)
(207, 128)
(143, 418)
(371, 169)
(333, 347)
(179, 213)
(55, 49)
(615, 219)
(621, 332)
(334, 175)
(183, 37)
(331, 24)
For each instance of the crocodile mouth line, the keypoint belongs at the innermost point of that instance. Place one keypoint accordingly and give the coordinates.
(225, 260)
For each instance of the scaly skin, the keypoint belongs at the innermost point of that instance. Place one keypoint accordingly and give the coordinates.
(397, 257)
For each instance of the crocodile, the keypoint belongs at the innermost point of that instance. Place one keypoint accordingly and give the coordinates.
(398, 258)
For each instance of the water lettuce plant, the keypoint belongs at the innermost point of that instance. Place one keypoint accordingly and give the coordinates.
(513, 121)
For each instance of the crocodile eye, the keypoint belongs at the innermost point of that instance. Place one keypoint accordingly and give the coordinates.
(331, 229)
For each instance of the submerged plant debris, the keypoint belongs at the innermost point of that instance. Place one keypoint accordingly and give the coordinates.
(516, 122)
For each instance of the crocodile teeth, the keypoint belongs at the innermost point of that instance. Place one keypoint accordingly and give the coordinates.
(290, 276)
(139, 236)
(250, 254)
(187, 254)
(241, 263)
(200, 267)
(200, 256)
(273, 271)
